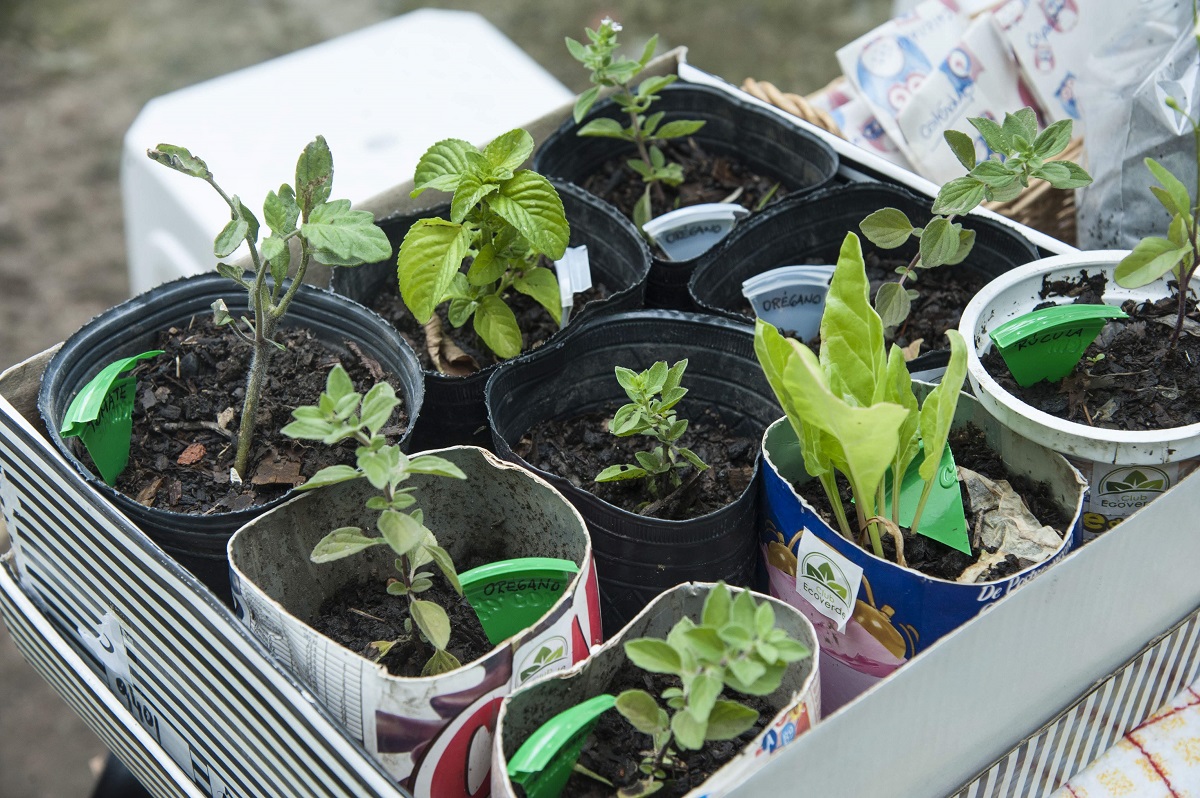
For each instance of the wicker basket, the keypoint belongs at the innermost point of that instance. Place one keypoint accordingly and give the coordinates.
(1050, 210)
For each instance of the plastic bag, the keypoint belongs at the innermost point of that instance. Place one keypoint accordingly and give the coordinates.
(1147, 54)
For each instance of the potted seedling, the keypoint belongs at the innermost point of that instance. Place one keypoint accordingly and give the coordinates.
(206, 454)
(701, 665)
(586, 409)
(918, 510)
(425, 650)
(656, 150)
(490, 275)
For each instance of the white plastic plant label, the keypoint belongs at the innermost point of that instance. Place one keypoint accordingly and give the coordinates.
(977, 79)
(1051, 48)
(690, 232)
(790, 297)
(574, 273)
(827, 580)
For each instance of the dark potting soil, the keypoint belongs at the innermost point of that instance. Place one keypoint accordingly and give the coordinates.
(535, 322)
(579, 448)
(357, 615)
(708, 177)
(1129, 378)
(615, 749)
(943, 295)
(934, 558)
(189, 403)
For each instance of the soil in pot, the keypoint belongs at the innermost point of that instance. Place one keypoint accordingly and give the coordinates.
(358, 615)
(708, 177)
(1128, 378)
(580, 447)
(188, 406)
(615, 749)
(462, 351)
(934, 558)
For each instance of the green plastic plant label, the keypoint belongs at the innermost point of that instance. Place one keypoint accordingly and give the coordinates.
(544, 762)
(101, 416)
(943, 518)
(509, 595)
(1046, 344)
(826, 580)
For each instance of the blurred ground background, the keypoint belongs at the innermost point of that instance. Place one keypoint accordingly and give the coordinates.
(73, 75)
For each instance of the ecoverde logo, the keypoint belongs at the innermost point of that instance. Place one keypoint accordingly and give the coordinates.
(826, 586)
(1127, 489)
(550, 652)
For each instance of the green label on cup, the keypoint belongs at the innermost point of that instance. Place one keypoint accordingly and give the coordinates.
(545, 761)
(943, 518)
(101, 416)
(1046, 344)
(510, 595)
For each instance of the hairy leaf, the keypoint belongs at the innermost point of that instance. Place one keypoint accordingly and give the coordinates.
(179, 159)
(377, 407)
(961, 195)
(678, 128)
(939, 243)
(1053, 140)
(1150, 259)
(314, 175)
(604, 128)
(341, 542)
(653, 655)
(729, 720)
(1181, 201)
(401, 532)
(963, 147)
(892, 304)
(432, 621)
(281, 211)
(340, 236)
(616, 473)
(993, 135)
(888, 228)
(642, 711)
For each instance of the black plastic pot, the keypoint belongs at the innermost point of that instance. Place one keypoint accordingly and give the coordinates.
(454, 411)
(198, 542)
(814, 226)
(637, 557)
(757, 137)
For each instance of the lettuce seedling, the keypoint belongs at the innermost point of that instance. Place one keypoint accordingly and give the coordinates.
(853, 408)
(735, 645)
(341, 414)
(645, 129)
(653, 395)
(328, 231)
(1023, 153)
(504, 218)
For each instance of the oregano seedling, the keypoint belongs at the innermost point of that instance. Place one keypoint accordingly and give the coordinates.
(328, 231)
(340, 414)
(1021, 154)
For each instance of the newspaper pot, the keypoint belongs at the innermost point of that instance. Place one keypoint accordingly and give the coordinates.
(811, 228)
(432, 734)
(198, 542)
(757, 137)
(898, 612)
(454, 410)
(639, 557)
(1156, 458)
(797, 702)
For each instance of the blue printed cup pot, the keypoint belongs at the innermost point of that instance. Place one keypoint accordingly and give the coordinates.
(797, 701)
(432, 734)
(1126, 469)
(896, 612)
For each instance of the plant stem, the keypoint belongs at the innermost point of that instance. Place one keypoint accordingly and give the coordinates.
(921, 505)
(829, 483)
(640, 141)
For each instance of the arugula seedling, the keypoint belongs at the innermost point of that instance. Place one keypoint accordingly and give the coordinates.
(735, 645)
(853, 408)
(340, 414)
(645, 129)
(328, 232)
(653, 395)
(1024, 154)
(504, 218)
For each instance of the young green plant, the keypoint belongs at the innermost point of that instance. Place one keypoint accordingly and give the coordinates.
(327, 231)
(502, 217)
(852, 406)
(340, 414)
(1179, 253)
(645, 130)
(653, 395)
(1023, 154)
(735, 645)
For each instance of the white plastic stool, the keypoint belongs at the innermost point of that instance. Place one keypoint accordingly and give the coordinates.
(380, 96)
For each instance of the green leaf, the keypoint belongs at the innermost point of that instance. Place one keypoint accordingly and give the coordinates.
(432, 621)
(314, 175)
(275, 251)
(485, 268)
(340, 236)
(470, 192)
(993, 135)
(642, 210)
(648, 51)
(851, 332)
(678, 128)
(705, 643)
(705, 690)
(653, 655)
(585, 101)
(716, 606)
(1181, 201)
(281, 211)
(437, 466)
(728, 720)
(743, 671)
(961, 195)
(1021, 124)
(1053, 140)
(689, 730)
(994, 174)
(401, 532)
(656, 377)
(616, 473)
(377, 407)
(507, 152)
(232, 235)
(892, 304)
(693, 458)
(963, 147)
(441, 558)
(642, 711)
(541, 284)
(578, 51)
(653, 85)
(937, 412)
(764, 618)
(1053, 173)
(888, 228)
(441, 662)
(179, 159)
(898, 390)
(966, 242)
(338, 383)
(529, 203)
(341, 542)
(430, 256)
(443, 165)
(1078, 177)
(330, 475)
(496, 324)
(1150, 259)
(939, 243)
(604, 127)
